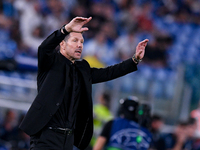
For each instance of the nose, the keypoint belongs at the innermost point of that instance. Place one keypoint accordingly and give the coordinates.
(80, 45)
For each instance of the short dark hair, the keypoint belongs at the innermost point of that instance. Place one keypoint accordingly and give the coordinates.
(191, 121)
(66, 37)
(106, 96)
(156, 117)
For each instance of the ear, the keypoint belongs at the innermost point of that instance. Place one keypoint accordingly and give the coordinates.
(62, 45)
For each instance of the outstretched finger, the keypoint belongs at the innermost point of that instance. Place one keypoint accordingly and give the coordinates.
(84, 29)
(80, 18)
(87, 20)
(144, 42)
(83, 19)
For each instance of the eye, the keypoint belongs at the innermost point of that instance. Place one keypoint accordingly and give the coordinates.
(74, 40)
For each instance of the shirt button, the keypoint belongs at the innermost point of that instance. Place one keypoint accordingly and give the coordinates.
(50, 114)
(57, 104)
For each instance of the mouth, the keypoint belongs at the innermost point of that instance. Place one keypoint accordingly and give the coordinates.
(78, 51)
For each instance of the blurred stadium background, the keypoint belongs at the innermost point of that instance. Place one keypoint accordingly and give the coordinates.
(168, 77)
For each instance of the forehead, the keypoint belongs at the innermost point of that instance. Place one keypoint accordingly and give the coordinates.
(76, 35)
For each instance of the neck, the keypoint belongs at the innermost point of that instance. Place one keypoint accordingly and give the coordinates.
(66, 56)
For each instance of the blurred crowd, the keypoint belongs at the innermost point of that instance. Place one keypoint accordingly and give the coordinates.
(114, 30)
(182, 135)
(172, 27)
(11, 137)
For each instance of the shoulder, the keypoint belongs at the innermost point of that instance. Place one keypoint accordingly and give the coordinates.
(167, 137)
(106, 129)
(108, 125)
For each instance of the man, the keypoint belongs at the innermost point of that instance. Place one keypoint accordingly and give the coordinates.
(61, 114)
(196, 114)
(101, 114)
(157, 123)
(182, 138)
(128, 131)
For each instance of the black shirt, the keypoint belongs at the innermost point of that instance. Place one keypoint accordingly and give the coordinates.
(106, 130)
(65, 117)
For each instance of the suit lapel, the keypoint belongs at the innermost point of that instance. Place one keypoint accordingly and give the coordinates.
(85, 75)
(82, 69)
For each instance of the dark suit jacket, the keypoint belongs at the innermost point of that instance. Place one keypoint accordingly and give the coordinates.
(52, 82)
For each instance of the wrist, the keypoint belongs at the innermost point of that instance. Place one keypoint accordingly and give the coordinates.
(136, 60)
(64, 31)
(67, 28)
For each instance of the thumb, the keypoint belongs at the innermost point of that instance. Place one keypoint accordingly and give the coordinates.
(140, 52)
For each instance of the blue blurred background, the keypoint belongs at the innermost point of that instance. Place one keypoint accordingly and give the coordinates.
(168, 78)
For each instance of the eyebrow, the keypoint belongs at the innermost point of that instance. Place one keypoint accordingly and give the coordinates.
(82, 39)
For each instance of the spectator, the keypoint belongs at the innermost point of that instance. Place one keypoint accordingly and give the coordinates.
(196, 114)
(21, 140)
(127, 131)
(7, 129)
(127, 18)
(145, 22)
(2, 146)
(31, 33)
(102, 114)
(156, 124)
(109, 28)
(181, 138)
(156, 55)
(98, 17)
(8, 125)
(57, 16)
(105, 55)
(125, 44)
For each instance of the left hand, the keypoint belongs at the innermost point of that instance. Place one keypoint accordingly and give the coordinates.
(140, 49)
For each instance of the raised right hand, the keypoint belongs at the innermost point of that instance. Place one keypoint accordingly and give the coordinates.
(76, 24)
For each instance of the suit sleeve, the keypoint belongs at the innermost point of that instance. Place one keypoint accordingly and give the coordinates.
(113, 72)
(46, 51)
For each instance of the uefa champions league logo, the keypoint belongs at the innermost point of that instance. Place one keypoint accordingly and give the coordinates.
(130, 138)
